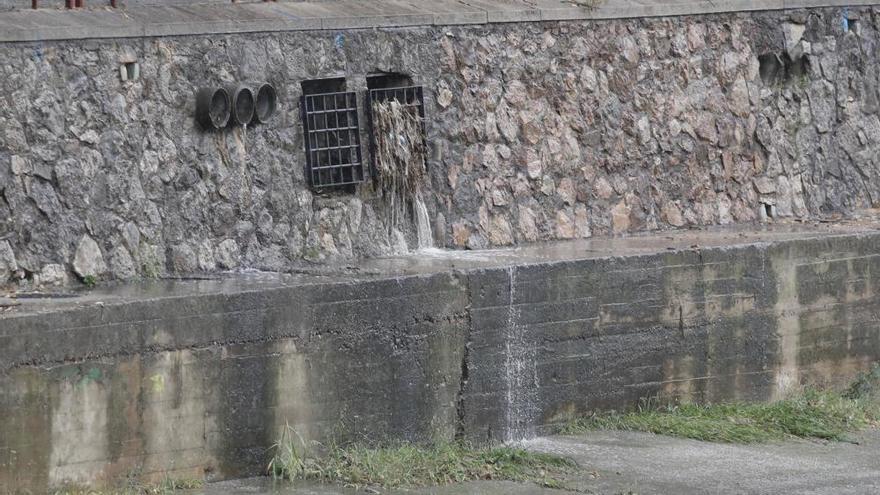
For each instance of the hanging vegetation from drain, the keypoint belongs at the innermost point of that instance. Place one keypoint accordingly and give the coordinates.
(400, 155)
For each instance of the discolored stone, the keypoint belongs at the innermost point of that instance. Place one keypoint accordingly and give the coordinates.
(8, 266)
(88, 261)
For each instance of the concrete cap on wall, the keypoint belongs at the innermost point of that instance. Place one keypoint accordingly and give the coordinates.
(150, 20)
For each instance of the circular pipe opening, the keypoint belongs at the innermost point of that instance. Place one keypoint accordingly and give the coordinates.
(242, 105)
(266, 102)
(212, 108)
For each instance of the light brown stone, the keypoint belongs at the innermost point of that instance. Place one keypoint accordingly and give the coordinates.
(582, 221)
(765, 185)
(527, 224)
(620, 218)
(603, 188)
(565, 228)
(500, 198)
(533, 165)
(671, 213)
(452, 175)
(566, 191)
(460, 234)
(500, 233)
(516, 94)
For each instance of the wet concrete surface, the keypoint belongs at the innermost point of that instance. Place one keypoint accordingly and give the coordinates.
(430, 261)
(641, 463)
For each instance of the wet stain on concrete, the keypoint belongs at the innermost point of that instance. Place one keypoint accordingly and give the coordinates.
(25, 436)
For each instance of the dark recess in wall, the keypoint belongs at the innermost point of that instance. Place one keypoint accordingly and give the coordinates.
(320, 86)
(769, 66)
(388, 80)
(779, 69)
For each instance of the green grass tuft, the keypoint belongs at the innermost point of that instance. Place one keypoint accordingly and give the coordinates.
(866, 386)
(812, 414)
(413, 465)
(167, 486)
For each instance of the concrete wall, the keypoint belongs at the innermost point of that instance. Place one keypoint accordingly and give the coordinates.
(709, 325)
(197, 381)
(203, 385)
(538, 131)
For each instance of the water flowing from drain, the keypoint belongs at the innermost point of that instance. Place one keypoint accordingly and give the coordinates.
(423, 223)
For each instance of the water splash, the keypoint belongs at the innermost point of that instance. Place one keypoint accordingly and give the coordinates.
(520, 373)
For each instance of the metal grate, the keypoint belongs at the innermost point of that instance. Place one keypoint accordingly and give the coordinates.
(410, 96)
(333, 145)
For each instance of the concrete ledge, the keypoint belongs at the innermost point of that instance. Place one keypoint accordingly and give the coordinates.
(175, 20)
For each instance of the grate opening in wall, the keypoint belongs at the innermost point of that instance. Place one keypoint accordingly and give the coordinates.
(331, 134)
(397, 134)
(411, 102)
(399, 151)
(381, 90)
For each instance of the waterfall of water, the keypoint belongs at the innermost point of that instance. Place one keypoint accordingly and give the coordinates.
(423, 223)
(520, 373)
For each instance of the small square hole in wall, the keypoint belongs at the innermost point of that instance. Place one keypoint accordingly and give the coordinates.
(130, 71)
(854, 26)
(850, 21)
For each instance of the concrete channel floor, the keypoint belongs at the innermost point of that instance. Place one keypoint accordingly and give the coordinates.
(612, 462)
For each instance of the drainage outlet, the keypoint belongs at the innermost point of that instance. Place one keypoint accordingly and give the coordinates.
(266, 103)
(242, 99)
(213, 108)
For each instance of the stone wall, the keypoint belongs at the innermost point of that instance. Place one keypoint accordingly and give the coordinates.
(537, 131)
(198, 378)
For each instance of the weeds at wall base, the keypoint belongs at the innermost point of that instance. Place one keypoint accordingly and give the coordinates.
(409, 465)
(166, 487)
(825, 415)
